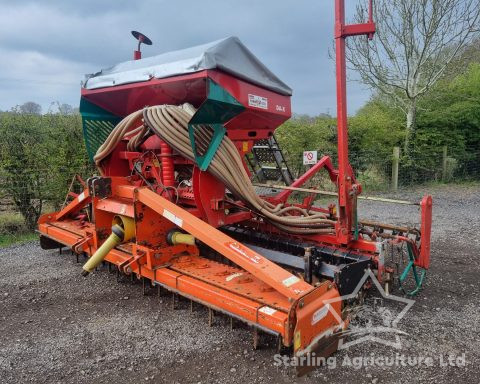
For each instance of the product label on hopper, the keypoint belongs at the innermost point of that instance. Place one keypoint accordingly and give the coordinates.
(257, 101)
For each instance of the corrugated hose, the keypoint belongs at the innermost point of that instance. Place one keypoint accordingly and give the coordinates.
(170, 123)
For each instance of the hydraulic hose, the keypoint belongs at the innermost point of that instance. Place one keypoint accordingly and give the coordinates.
(170, 123)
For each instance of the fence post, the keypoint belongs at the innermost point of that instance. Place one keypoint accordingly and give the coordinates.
(395, 162)
(444, 164)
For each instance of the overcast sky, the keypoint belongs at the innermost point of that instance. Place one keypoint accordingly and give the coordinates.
(47, 46)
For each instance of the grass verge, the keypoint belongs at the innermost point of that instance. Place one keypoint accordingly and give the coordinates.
(13, 230)
(9, 239)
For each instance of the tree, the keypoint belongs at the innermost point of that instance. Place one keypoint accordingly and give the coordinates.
(416, 40)
(65, 109)
(39, 154)
(302, 133)
(31, 108)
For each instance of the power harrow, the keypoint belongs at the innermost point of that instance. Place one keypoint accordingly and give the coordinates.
(174, 204)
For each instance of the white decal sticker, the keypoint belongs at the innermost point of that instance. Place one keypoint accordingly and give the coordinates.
(267, 310)
(319, 314)
(174, 219)
(257, 101)
(233, 276)
(290, 281)
(81, 196)
(244, 251)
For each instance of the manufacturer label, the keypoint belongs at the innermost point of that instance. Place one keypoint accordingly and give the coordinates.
(81, 196)
(244, 251)
(267, 310)
(290, 281)
(319, 315)
(257, 101)
(174, 219)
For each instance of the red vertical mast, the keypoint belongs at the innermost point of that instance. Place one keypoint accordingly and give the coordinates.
(345, 190)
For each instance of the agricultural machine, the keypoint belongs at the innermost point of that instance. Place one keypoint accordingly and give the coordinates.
(177, 139)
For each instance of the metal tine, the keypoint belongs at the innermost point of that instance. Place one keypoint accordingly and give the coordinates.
(279, 344)
(174, 299)
(211, 315)
(255, 338)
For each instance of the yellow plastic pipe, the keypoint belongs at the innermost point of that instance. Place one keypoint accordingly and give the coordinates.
(123, 229)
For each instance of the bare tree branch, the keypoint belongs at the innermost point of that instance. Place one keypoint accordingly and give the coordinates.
(415, 43)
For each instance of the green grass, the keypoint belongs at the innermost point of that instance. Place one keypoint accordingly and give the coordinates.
(10, 239)
(13, 230)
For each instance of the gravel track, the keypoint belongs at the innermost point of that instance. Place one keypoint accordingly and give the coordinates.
(57, 326)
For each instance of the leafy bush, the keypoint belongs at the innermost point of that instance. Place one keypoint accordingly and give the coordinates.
(38, 156)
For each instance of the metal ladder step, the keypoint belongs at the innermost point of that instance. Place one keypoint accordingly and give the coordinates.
(268, 163)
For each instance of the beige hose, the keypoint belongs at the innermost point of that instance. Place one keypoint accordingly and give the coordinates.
(170, 123)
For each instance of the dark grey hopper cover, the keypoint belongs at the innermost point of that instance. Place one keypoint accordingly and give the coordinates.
(228, 55)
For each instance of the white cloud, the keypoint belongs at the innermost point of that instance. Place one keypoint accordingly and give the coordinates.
(46, 47)
(34, 76)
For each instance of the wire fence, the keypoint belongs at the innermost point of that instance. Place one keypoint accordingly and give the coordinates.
(45, 186)
(376, 170)
(40, 190)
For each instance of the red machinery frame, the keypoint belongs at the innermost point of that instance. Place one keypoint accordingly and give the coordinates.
(248, 286)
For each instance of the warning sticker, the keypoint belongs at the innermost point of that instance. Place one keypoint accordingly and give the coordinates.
(174, 219)
(81, 196)
(257, 101)
(290, 281)
(310, 157)
(267, 310)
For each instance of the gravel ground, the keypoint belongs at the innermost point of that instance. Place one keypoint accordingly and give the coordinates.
(59, 327)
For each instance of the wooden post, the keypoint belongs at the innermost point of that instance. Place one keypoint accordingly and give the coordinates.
(395, 162)
(444, 164)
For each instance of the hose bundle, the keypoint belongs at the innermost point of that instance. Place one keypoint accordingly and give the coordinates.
(170, 123)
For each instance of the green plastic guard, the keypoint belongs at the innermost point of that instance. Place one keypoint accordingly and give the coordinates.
(219, 107)
(97, 124)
